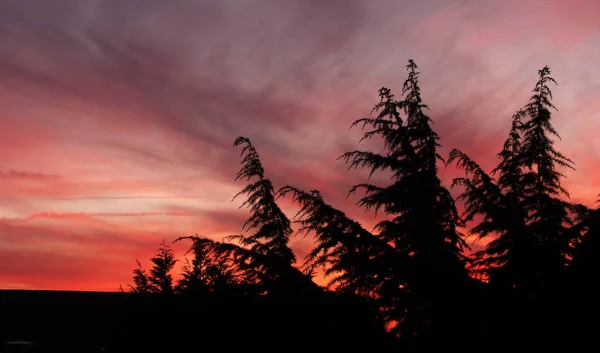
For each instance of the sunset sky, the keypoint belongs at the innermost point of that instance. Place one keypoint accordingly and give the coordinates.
(117, 118)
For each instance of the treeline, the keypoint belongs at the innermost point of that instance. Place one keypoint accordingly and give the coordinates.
(533, 282)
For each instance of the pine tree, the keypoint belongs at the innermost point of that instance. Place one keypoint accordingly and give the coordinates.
(215, 267)
(548, 215)
(509, 170)
(532, 225)
(141, 283)
(481, 197)
(191, 279)
(347, 252)
(160, 273)
(509, 259)
(416, 195)
(356, 262)
(513, 254)
(272, 227)
(423, 216)
(269, 252)
(531, 219)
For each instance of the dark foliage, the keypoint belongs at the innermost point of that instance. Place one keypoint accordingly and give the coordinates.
(541, 243)
(141, 283)
(160, 277)
(585, 265)
(427, 264)
(216, 267)
(347, 252)
(548, 215)
(267, 250)
(523, 209)
(272, 227)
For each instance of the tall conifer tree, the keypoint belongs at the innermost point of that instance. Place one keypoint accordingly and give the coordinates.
(508, 260)
(272, 227)
(528, 213)
(269, 253)
(549, 216)
(423, 216)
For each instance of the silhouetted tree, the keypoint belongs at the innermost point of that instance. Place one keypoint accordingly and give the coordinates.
(160, 273)
(269, 252)
(141, 283)
(356, 261)
(524, 208)
(513, 253)
(191, 279)
(272, 227)
(549, 216)
(509, 259)
(216, 267)
(344, 249)
(428, 264)
(532, 225)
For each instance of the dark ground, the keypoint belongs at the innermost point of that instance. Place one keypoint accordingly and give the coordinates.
(69, 321)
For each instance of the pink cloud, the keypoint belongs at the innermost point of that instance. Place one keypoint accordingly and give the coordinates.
(118, 119)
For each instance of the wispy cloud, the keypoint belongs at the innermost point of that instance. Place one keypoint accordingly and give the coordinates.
(72, 215)
(131, 107)
(26, 175)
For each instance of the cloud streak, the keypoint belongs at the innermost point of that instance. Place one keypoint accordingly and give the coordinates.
(85, 215)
